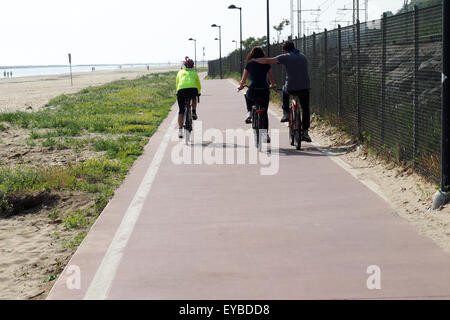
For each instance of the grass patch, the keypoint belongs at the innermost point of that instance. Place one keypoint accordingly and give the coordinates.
(114, 120)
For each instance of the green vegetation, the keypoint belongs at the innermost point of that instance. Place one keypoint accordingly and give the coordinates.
(113, 122)
(412, 3)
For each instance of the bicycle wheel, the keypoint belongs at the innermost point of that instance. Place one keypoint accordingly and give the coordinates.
(260, 141)
(188, 124)
(292, 127)
(298, 135)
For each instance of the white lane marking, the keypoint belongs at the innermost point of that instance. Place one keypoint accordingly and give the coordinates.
(233, 82)
(344, 165)
(100, 285)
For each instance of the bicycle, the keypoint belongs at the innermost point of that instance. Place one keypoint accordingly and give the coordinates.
(187, 118)
(295, 122)
(257, 112)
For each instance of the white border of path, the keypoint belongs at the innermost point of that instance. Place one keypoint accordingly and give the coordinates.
(100, 285)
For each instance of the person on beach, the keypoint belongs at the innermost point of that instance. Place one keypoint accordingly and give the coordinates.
(188, 87)
(297, 82)
(259, 87)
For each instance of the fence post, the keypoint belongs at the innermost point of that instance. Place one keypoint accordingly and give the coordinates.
(416, 83)
(383, 74)
(314, 57)
(442, 196)
(358, 68)
(325, 78)
(445, 157)
(339, 71)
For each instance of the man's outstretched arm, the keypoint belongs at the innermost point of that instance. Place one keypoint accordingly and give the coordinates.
(266, 60)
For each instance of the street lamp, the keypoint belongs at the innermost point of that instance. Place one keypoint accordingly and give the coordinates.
(236, 43)
(220, 48)
(240, 15)
(195, 45)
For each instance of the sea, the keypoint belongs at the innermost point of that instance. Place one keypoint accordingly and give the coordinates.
(27, 71)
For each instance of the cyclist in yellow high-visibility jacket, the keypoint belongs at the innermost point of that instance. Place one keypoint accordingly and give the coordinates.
(188, 86)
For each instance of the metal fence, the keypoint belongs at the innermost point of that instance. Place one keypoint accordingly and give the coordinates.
(380, 81)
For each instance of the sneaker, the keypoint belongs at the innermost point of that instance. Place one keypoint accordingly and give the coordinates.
(266, 138)
(180, 133)
(285, 117)
(194, 114)
(306, 137)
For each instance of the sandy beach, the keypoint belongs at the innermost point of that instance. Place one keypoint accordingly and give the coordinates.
(32, 245)
(33, 92)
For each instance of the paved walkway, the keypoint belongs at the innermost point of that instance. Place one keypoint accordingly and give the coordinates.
(227, 232)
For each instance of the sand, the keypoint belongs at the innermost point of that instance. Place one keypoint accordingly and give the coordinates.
(31, 93)
(32, 252)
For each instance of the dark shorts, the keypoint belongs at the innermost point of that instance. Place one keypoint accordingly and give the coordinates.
(253, 95)
(184, 94)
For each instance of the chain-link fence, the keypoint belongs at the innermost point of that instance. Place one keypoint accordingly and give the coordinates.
(380, 81)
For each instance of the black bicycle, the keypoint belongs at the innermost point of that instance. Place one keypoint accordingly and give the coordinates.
(187, 118)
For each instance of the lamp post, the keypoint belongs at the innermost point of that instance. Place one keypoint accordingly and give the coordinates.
(220, 48)
(240, 16)
(235, 43)
(195, 50)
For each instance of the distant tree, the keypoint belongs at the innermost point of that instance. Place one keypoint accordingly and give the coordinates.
(280, 27)
(251, 42)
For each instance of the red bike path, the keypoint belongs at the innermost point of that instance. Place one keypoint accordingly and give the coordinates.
(202, 231)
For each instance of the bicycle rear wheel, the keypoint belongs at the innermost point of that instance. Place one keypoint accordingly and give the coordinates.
(256, 132)
(188, 124)
(292, 127)
(298, 130)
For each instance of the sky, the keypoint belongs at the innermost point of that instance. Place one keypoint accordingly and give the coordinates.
(43, 32)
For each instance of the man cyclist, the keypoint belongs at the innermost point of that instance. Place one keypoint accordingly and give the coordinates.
(297, 82)
(188, 87)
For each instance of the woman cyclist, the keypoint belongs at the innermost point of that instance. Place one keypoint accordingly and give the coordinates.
(188, 86)
(258, 88)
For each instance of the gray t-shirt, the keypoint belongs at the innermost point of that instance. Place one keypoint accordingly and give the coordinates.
(297, 77)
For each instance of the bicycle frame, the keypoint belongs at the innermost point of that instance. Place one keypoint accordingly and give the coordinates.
(295, 123)
(187, 119)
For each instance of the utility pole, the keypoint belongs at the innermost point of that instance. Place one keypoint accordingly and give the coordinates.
(268, 28)
(292, 19)
(356, 9)
(367, 10)
(299, 18)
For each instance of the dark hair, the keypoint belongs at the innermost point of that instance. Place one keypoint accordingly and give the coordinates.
(257, 52)
(288, 46)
